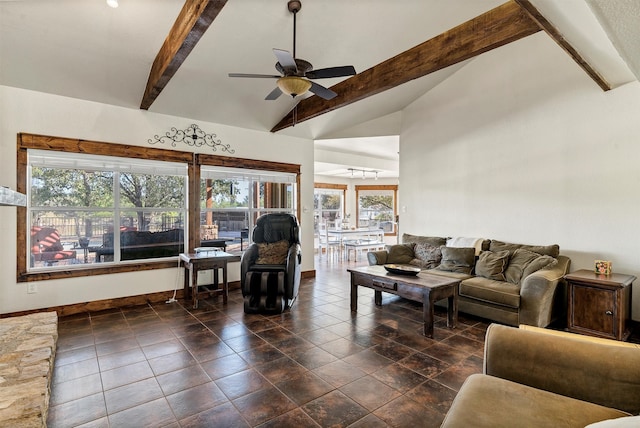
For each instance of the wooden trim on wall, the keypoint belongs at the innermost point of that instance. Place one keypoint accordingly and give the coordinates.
(231, 162)
(194, 205)
(122, 302)
(215, 160)
(393, 187)
(330, 186)
(74, 145)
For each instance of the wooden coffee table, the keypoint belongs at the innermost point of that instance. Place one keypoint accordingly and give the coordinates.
(424, 288)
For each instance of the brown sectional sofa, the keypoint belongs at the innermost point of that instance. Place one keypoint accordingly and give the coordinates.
(504, 282)
(536, 377)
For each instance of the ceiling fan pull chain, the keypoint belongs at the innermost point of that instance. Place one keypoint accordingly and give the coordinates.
(295, 115)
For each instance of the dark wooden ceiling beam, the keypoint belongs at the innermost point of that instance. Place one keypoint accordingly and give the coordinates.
(194, 19)
(555, 35)
(497, 27)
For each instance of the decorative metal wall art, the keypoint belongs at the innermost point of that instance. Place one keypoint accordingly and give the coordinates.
(192, 136)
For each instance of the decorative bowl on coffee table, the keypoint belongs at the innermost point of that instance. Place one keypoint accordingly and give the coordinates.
(402, 269)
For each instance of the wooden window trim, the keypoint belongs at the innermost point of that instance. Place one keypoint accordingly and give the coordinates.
(393, 187)
(342, 187)
(26, 141)
(240, 163)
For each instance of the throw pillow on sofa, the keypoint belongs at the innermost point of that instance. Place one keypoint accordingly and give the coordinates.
(400, 254)
(545, 250)
(492, 265)
(542, 262)
(524, 262)
(457, 259)
(427, 256)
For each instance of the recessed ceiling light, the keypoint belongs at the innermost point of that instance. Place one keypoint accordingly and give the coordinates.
(112, 3)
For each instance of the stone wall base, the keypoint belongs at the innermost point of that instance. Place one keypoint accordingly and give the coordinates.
(27, 351)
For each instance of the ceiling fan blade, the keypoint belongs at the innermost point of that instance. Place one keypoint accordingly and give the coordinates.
(322, 92)
(274, 94)
(323, 73)
(286, 59)
(269, 76)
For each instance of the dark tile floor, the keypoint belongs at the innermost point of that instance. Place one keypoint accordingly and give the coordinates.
(316, 365)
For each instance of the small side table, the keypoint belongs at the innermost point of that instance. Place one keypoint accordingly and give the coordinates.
(599, 305)
(206, 260)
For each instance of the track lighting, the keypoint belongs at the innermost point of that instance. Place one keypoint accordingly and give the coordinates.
(364, 172)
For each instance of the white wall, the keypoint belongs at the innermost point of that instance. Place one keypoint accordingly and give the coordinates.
(39, 113)
(521, 145)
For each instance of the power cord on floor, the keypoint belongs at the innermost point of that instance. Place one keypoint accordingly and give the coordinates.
(175, 290)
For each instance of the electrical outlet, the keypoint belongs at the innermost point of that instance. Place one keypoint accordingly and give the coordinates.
(32, 288)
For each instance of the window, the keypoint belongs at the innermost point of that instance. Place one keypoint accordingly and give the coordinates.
(377, 207)
(77, 201)
(231, 199)
(80, 192)
(328, 203)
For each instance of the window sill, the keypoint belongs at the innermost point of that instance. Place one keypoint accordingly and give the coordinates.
(91, 271)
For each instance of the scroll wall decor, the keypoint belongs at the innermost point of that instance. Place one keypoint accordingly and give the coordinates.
(192, 136)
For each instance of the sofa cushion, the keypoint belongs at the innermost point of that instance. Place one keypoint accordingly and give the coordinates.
(488, 401)
(414, 239)
(400, 254)
(448, 274)
(457, 259)
(492, 265)
(542, 262)
(272, 253)
(427, 256)
(487, 290)
(519, 260)
(546, 250)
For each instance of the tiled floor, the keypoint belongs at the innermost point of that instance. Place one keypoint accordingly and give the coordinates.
(316, 365)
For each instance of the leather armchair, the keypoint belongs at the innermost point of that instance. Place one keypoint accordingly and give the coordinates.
(269, 285)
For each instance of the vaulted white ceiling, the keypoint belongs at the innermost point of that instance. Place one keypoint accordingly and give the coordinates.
(87, 50)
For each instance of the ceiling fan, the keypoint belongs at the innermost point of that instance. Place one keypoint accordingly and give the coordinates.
(295, 73)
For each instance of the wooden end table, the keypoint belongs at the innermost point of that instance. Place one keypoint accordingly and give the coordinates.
(599, 305)
(206, 260)
(424, 288)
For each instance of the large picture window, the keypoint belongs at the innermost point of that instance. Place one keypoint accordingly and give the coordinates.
(119, 208)
(77, 201)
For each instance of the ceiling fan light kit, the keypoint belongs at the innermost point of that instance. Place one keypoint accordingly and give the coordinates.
(293, 85)
(296, 72)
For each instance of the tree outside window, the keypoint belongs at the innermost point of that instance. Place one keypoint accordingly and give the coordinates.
(377, 207)
(73, 211)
